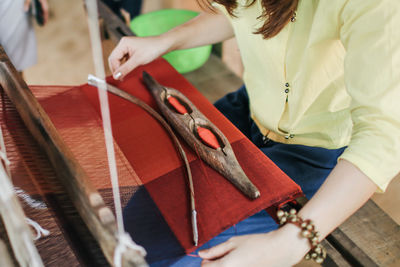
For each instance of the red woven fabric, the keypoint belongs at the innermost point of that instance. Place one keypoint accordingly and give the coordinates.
(146, 155)
(42, 197)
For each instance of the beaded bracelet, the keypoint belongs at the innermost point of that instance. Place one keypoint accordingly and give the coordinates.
(317, 252)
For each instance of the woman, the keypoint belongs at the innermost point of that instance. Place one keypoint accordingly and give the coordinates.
(125, 9)
(322, 82)
(17, 34)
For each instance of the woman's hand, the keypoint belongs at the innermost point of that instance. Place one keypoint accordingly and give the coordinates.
(345, 190)
(45, 7)
(282, 247)
(132, 52)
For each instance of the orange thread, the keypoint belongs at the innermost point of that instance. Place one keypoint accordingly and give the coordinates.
(208, 137)
(177, 105)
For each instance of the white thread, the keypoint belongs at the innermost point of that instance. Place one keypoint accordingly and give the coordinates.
(7, 193)
(39, 230)
(3, 156)
(94, 81)
(33, 203)
(125, 241)
(31, 256)
(105, 112)
(3, 153)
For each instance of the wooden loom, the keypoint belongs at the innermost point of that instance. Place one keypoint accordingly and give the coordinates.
(98, 218)
(82, 195)
(86, 200)
(119, 29)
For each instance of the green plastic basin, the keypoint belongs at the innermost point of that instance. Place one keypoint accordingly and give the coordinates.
(158, 22)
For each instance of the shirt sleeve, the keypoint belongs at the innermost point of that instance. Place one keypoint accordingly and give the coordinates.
(370, 35)
(221, 9)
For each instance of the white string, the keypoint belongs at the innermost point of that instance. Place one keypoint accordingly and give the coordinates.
(32, 257)
(3, 153)
(33, 203)
(3, 156)
(124, 240)
(105, 113)
(5, 195)
(39, 230)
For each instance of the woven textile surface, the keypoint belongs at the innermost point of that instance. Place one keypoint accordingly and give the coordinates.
(154, 187)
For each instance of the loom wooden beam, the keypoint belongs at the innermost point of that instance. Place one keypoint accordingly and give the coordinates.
(5, 258)
(87, 200)
(18, 232)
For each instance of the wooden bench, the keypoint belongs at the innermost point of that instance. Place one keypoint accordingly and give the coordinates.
(368, 238)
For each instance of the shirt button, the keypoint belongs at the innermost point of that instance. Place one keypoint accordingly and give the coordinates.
(265, 139)
(293, 18)
(287, 90)
(289, 136)
(287, 84)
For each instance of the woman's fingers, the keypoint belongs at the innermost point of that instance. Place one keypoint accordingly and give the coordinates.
(132, 52)
(125, 68)
(113, 63)
(218, 251)
(207, 263)
(117, 56)
(26, 5)
(45, 8)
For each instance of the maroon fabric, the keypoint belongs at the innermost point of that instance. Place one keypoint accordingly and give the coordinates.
(36, 183)
(147, 155)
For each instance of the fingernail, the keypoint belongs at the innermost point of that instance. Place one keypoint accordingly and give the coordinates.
(202, 252)
(117, 75)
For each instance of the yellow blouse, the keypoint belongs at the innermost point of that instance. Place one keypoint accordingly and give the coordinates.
(329, 79)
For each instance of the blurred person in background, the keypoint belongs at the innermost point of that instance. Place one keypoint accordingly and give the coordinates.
(125, 9)
(17, 35)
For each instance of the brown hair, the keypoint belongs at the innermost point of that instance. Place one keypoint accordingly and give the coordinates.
(276, 13)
